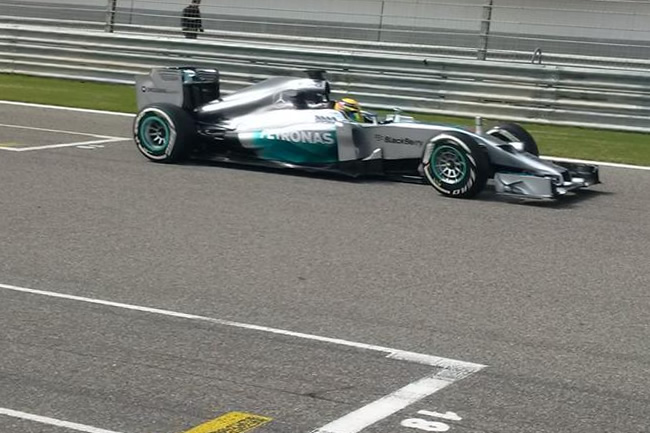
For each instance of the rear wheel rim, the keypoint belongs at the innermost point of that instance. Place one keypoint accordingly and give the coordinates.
(154, 134)
(449, 165)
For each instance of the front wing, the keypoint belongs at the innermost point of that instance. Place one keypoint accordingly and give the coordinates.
(537, 187)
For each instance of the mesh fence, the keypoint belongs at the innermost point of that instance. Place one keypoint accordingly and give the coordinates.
(605, 28)
(494, 29)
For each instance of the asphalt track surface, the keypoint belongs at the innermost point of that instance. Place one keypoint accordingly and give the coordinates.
(552, 298)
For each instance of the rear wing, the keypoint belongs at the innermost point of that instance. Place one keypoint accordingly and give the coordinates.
(186, 86)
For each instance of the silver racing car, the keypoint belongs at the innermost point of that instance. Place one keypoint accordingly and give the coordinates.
(291, 122)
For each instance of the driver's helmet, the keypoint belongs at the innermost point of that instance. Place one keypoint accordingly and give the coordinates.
(350, 109)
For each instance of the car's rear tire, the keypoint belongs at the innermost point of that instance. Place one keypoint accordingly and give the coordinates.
(513, 132)
(456, 165)
(164, 132)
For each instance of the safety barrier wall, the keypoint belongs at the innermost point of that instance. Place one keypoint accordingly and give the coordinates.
(610, 99)
(547, 58)
(602, 28)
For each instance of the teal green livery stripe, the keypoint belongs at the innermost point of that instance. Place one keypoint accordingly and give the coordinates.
(299, 147)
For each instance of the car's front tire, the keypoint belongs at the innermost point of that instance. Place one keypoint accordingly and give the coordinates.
(513, 132)
(164, 132)
(456, 165)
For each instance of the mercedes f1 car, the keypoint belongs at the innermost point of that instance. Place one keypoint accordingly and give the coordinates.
(291, 122)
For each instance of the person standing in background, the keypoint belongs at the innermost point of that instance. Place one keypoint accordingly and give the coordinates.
(191, 23)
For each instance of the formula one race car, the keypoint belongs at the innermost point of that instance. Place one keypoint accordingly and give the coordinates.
(291, 122)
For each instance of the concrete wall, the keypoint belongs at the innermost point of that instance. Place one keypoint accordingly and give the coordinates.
(614, 20)
(605, 20)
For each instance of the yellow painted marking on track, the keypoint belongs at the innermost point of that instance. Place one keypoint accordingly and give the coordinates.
(10, 144)
(232, 422)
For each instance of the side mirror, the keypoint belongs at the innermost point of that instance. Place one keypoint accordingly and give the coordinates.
(370, 117)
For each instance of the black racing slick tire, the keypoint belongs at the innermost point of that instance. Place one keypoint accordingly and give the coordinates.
(513, 132)
(456, 165)
(164, 132)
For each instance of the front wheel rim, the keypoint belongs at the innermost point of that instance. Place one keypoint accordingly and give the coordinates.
(449, 165)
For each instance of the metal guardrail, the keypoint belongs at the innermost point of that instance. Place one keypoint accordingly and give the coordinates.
(510, 56)
(610, 99)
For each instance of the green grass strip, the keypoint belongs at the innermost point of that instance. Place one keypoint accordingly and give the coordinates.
(574, 142)
(67, 93)
(569, 142)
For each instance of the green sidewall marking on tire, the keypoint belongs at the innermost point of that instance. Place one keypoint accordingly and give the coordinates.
(461, 163)
(148, 122)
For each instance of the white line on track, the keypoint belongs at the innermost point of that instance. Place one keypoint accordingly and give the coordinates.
(60, 131)
(115, 113)
(606, 164)
(451, 370)
(57, 146)
(52, 421)
(56, 107)
(402, 355)
(99, 139)
(91, 146)
(376, 411)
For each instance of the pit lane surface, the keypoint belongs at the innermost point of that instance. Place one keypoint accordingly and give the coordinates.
(552, 297)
